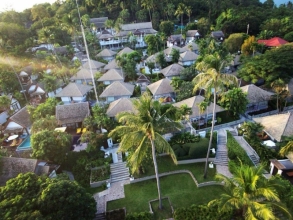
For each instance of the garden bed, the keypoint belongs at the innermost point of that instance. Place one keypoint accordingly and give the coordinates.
(165, 213)
(99, 175)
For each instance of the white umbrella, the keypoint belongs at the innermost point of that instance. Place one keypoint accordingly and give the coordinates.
(12, 137)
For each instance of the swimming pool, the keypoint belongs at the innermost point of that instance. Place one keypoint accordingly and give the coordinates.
(25, 145)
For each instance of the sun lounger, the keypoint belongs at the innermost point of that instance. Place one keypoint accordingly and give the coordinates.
(83, 130)
(78, 130)
(19, 142)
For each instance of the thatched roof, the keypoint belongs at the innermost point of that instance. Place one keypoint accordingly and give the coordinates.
(125, 50)
(73, 113)
(191, 46)
(161, 87)
(106, 53)
(168, 50)
(217, 34)
(22, 117)
(277, 125)
(256, 94)
(83, 74)
(175, 37)
(118, 89)
(112, 65)
(172, 70)
(120, 105)
(192, 33)
(99, 22)
(105, 36)
(74, 90)
(112, 75)
(194, 102)
(143, 79)
(135, 28)
(12, 166)
(152, 58)
(188, 56)
(94, 64)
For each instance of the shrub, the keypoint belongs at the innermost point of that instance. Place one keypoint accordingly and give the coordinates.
(236, 152)
(198, 151)
(140, 216)
(180, 152)
(183, 138)
(115, 214)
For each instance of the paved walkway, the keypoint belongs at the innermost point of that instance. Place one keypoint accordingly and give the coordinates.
(223, 169)
(116, 191)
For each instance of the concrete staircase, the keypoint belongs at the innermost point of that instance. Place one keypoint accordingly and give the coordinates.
(254, 159)
(222, 153)
(221, 158)
(100, 216)
(119, 171)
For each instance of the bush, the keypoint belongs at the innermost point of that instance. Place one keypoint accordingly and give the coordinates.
(183, 138)
(201, 212)
(180, 152)
(140, 216)
(236, 152)
(197, 151)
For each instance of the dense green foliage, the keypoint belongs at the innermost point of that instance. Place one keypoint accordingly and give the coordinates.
(50, 145)
(235, 152)
(29, 196)
(139, 216)
(201, 212)
(43, 110)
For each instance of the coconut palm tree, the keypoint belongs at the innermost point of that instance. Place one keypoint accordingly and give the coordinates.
(250, 194)
(180, 12)
(142, 130)
(188, 12)
(211, 79)
(279, 88)
(287, 149)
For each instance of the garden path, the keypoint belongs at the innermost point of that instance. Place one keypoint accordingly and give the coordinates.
(222, 166)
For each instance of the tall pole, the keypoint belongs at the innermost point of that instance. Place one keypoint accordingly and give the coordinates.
(87, 53)
(247, 29)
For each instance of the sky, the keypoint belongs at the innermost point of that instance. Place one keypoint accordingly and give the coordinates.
(20, 5)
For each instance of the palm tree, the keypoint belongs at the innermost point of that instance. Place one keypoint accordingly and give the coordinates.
(279, 88)
(287, 149)
(188, 12)
(250, 194)
(213, 80)
(142, 130)
(180, 12)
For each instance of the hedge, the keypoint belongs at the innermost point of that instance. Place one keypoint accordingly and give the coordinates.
(140, 216)
(236, 152)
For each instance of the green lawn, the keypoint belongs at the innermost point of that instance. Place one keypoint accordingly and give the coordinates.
(165, 164)
(180, 189)
(165, 212)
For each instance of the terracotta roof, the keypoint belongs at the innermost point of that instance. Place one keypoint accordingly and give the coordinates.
(73, 113)
(74, 90)
(273, 42)
(172, 70)
(194, 102)
(125, 50)
(161, 87)
(188, 56)
(94, 64)
(112, 75)
(277, 125)
(106, 53)
(83, 74)
(143, 79)
(22, 117)
(168, 50)
(256, 94)
(191, 45)
(112, 65)
(120, 105)
(118, 89)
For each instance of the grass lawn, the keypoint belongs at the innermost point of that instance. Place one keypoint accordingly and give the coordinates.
(94, 190)
(165, 212)
(165, 164)
(180, 189)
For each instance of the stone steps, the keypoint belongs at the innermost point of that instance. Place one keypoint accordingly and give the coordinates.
(254, 159)
(221, 158)
(119, 171)
(100, 216)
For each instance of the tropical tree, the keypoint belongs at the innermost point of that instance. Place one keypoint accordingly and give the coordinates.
(279, 88)
(212, 80)
(251, 129)
(50, 145)
(181, 9)
(249, 194)
(287, 149)
(175, 55)
(5, 102)
(142, 130)
(235, 100)
(188, 12)
(49, 122)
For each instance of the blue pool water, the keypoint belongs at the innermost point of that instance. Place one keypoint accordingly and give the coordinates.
(25, 145)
